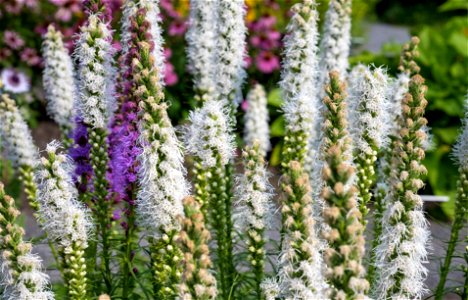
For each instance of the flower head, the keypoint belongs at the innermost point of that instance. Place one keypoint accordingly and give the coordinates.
(13, 40)
(15, 81)
(256, 119)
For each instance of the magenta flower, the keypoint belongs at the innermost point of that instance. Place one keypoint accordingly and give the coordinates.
(13, 40)
(14, 81)
(168, 8)
(267, 62)
(5, 53)
(30, 57)
(266, 40)
(170, 77)
(264, 23)
(177, 27)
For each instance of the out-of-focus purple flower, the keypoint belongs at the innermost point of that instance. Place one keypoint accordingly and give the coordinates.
(177, 27)
(267, 62)
(30, 57)
(15, 81)
(266, 40)
(264, 23)
(167, 53)
(79, 152)
(168, 8)
(66, 9)
(12, 39)
(247, 61)
(170, 76)
(13, 7)
(116, 215)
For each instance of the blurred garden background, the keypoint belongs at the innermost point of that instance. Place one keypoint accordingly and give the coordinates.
(379, 29)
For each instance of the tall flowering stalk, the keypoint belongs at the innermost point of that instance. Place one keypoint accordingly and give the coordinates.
(336, 40)
(197, 281)
(64, 219)
(345, 234)
(256, 128)
(397, 89)
(17, 140)
(209, 141)
(59, 83)
(21, 277)
(461, 203)
(253, 210)
(298, 84)
(161, 174)
(96, 104)
(301, 266)
(230, 49)
(402, 251)
(367, 113)
(201, 46)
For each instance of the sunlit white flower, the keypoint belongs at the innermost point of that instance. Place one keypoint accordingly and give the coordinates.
(208, 134)
(59, 83)
(461, 147)
(201, 40)
(15, 81)
(230, 48)
(96, 74)
(64, 218)
(256, 120)
(15, 134)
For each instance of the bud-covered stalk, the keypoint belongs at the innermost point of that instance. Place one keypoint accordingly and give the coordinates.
(256, 120)
(298, 84)
(161, 174)
(17, 140)
(64, 219)
(367, 113)
(402, 250)
(59, 83)
(197, 281)
(301, 265)
(253, 210)
(20, 271)
(461, 203)
(345, 235)
(210, 142)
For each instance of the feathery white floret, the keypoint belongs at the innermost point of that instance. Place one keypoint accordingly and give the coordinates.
(299, 77)
(59, 83)
(202, 44)
(368, 107)
(270, 289)
(64, 218)
(461, 147)
(230, 47)
(30, 276)
(15, 134)
(256, 119)
(407, 244)
(396, 91)
(208, 134)
(336, 40)
(253, 207)
(96, 73)
(162, 177)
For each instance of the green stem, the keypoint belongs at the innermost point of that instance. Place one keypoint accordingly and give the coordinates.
(30, 188)
(460, 216)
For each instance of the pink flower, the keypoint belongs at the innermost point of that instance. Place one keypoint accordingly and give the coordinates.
(264, 23)
(167, 53)
(66, 9)
(247, 61)
(170, 77)
(177, 27)
(244, 105)
(167, 6)
(30, 57)
(14, 81)
(266, 40)
(267, 62)
(13, 40)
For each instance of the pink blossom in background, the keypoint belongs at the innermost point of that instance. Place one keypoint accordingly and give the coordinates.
(30, 57)
(170, 77)
(244, 105)
(168, 8)
(14, 81)
(13, 7)
(12, 39)
(264, 23)
(177, 28)
(247, 61)
(267, 62)
(30, 3)
(66, 9)
(167, 53)
(266, 40)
